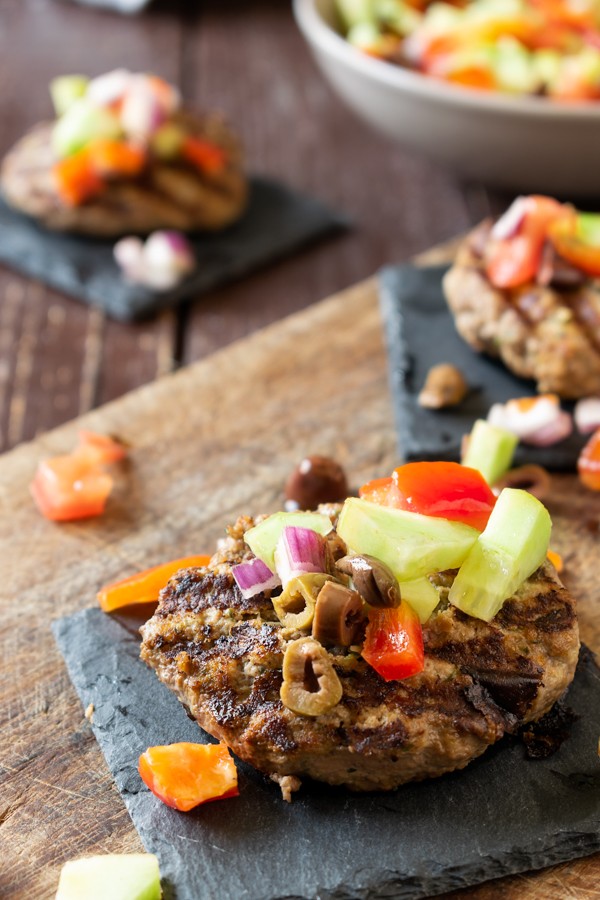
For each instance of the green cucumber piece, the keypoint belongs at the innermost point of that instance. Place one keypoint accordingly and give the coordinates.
(490, 450)
(66, 90)
(132, 876)
(397, 16)
(514, 67)
(588, 228)
(422, 595)
(412, 545)
(83, 122)
(355, 12)
(513, 545)
(263, 538)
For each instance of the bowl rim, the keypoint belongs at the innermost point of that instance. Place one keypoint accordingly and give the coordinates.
(320, 33)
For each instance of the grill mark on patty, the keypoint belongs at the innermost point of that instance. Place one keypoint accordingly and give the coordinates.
(586, 317)
(512, 681)
(391, 736)
(548, 611)
(199, 589)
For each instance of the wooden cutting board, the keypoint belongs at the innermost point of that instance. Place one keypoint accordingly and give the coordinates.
(206, 443)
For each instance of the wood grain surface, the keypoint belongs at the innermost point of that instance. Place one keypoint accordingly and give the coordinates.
(208, 442)
(58, 358)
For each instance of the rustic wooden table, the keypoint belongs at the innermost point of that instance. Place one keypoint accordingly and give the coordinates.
(57, 357)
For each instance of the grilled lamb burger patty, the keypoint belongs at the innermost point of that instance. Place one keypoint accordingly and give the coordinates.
(547, 332)
(223, 655)
(168, 194)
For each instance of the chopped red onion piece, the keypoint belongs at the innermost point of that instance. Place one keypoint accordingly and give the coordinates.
(161, 263)
(109, 88)
(552, 433)
(298, 552)
(540, 423)
(509, 224)
(587, 415)
(169, 250)
(142, 113)
(129, 252)
(254, 577)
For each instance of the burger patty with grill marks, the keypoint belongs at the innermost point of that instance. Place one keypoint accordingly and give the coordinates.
(167, 194)
(222, 655)
(550, 333)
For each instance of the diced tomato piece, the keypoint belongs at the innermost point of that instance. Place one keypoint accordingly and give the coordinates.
(76, 179)
(204, 155)
(475, 77)
(516, 260)
(99, 448)
(445, 490)
(67, 488)
(144, 587)
(185, 775)
(394, 642)
(588, 464)
(380, 490)
(116, 158)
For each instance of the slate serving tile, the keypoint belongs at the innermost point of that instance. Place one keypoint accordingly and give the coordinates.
(420, 333)
(277, 222)
(503, 814)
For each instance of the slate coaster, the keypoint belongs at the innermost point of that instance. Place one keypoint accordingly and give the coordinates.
(420, 333)
(503, 814)
(277, 222)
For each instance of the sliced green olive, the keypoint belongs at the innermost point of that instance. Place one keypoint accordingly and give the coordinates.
(338, 615)
(310, 686)
(295, 607)
(373, 580)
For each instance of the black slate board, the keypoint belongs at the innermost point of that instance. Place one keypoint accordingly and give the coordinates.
(277, 222)
(420, 333)
(503, 814)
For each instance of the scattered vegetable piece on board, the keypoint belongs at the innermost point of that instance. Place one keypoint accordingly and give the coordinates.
(75, 486)
(127, 876)
(588, 464)
(556, 560)
(144, 587)
(185, 775)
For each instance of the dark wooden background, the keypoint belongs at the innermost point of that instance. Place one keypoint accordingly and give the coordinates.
(57, 357)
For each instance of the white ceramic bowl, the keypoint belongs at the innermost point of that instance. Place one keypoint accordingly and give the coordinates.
(527, 144)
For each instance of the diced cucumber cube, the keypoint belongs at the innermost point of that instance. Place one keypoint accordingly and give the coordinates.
(132, 876)
(490, 450)
(82, 123)
(421, 594)
(513, 545)
(353, 12)
(412, 545)
(65, 90)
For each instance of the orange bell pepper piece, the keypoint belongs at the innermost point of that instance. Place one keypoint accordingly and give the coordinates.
(144, 587)
(185, 775)
(204, 155)
(116, 158)
(75, 486)
(556, 560)
(588, 464)
(76, 179)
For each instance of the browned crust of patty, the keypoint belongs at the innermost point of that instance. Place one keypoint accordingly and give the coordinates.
(550, 336)
(222, 655)
(168, 195)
